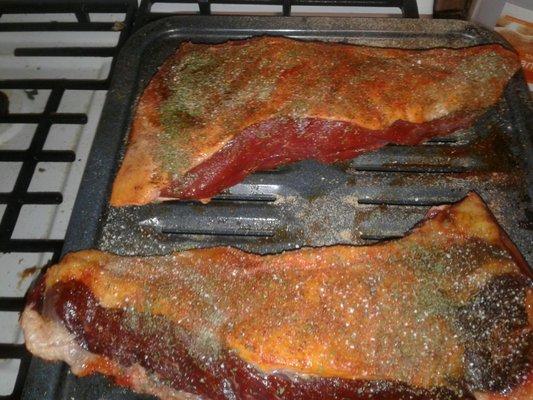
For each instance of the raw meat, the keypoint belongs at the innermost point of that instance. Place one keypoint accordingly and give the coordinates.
(215, 113)
(445, 312)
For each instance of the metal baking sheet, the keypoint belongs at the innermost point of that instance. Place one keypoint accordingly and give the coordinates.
(376, 196)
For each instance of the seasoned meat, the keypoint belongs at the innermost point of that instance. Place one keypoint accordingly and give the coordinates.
(213, 114)
(444, 313)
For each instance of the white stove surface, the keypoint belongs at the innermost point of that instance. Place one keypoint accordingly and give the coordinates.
(44, 221)
(50, 221)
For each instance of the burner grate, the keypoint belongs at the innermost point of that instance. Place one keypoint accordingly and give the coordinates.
(12, 202)
(409, 8)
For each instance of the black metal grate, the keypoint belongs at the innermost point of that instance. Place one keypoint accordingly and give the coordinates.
(408, 8)
(19, 195)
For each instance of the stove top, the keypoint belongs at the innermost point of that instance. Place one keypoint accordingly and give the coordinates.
(54, 69)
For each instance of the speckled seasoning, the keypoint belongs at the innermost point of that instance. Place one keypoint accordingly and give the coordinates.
(444, 313)
(213, 114)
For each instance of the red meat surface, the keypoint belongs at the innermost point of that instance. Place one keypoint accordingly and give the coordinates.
(213, 114)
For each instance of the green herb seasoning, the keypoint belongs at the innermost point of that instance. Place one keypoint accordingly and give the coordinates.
(217, 91)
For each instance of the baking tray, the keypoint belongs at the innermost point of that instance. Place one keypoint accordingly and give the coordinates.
(376, 196)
